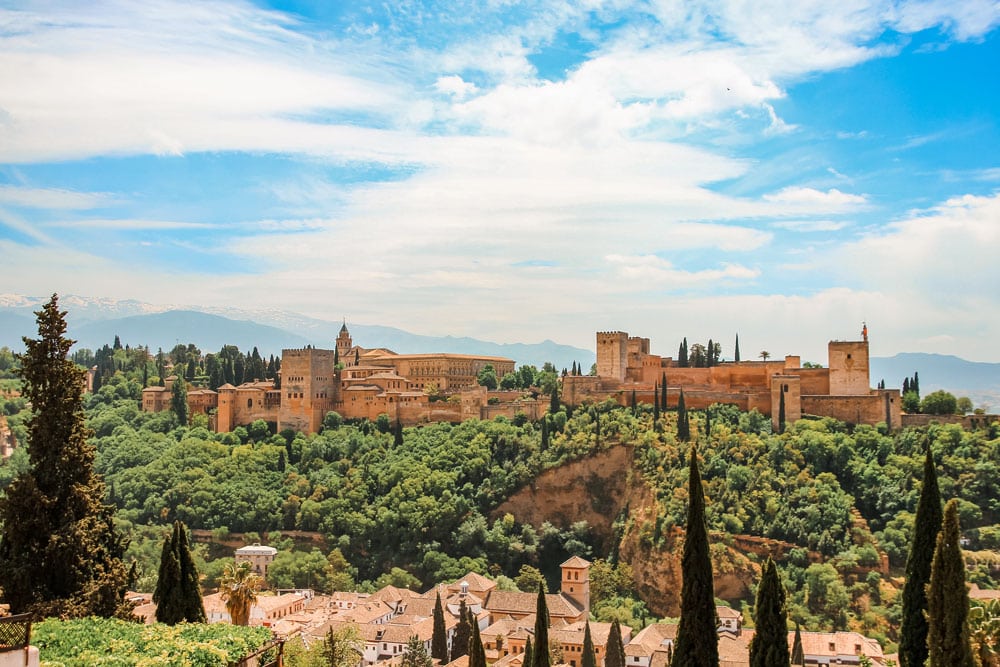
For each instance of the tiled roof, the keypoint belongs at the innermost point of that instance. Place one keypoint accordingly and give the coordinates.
(524, 603)
(651, 638)
(576, 561)
(831, 644)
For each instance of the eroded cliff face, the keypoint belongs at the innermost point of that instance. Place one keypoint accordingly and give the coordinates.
(597, 490)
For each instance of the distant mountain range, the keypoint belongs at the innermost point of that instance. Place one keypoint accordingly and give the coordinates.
(94, 322)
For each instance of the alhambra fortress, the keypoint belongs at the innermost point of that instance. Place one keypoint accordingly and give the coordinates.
(364, 383)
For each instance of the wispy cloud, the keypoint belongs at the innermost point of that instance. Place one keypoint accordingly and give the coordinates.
(52, 198)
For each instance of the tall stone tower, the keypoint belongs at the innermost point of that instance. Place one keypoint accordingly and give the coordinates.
(309, 389)
(576, 582)
(849, 368)
(612, 354)
(344, 344)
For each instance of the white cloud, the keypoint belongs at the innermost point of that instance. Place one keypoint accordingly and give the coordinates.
(833, 198)
(811, 225)
(655, 272)
(52, 198)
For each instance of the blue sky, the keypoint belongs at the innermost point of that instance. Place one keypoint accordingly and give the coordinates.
(517, 171)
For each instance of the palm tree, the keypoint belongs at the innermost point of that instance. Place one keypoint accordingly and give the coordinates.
(239, 586)
(765, 355)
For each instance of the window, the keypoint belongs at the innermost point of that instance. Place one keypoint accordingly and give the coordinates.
(249, 403)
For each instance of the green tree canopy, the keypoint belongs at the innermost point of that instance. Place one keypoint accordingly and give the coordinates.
(61, 552)
(948, 598)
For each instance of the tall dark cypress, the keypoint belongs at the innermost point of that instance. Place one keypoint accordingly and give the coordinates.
(439, 639)
(656, 404)
(769, 646)
(545, 433)
(913, 631)
(663, 394)
(614, 655)
(589, 657)
(169, 605)
(463, 633)
(697, 639)
(781, 412)
(477, 653)
(528, 654)
(540, 658)
(736, 353)
(635, 406)
(798, 655)
(554, 400)
(194, 607)
(683, 423)
(948, 598)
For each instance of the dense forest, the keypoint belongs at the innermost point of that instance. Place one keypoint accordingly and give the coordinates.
(414, 507)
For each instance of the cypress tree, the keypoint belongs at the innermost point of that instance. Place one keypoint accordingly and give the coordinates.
(589, 657)
(781, 412)
(683, 424)
(194, 608)
(656, 404)
(545, 433)
(697, 639)
(477, 654)
(528, 654)
(663, 393)
(169, 606)
(60, 550)
(915, 385)
(554, 400)
(439, 640)
(948, 598)
(178, 400)
(614, 655)
(397, 436)
(769, 646)
(906, 385)
(178, 590)
(540, 658)
(635, 407)
(798, 655)
(463, 632)
(926, 525)
(736, 354)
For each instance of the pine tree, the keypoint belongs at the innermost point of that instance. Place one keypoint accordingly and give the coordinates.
(540, 658)
(683, 423)
(948, 598)
(614, 653)
(589, 657)
(736, 353)
(798, 655)
(463, 632)
(61, 552)
(769, 646)
(415, 654)
(439, 639)
(697, 639)
(926, 525)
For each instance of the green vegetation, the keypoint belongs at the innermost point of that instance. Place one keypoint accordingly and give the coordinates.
(769, 646)
(178, 592)
(61, 553)
(697, 636)
(115, 643)
(913, 633)
(948, 599)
